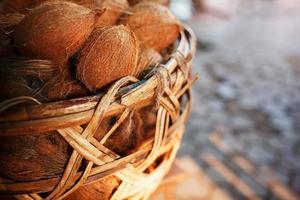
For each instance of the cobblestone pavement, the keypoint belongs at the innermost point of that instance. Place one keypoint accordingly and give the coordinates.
(249, 93)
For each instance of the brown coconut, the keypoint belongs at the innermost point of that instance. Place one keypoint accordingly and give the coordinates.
(113, 9)
(7, 24)
(54, 30)
(41, 79)
(154, 25)
(22, 77)
(147, 58)
(12, 6)
(33, 157)
(138, 127)
(20, 6)
(109, 54)
(100, 190)
(147, 117)
(45, 155)
(65, 88)
(5, 45)
(162, 2)
(9, 21)
(124, 139)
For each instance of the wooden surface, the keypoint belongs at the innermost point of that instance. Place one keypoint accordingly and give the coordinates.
(189, 181)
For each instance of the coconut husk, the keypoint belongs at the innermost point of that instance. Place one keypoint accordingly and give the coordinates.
(66, 88)
(14, 6)
(41, 79)
(147, 58)
(44, 155)
(100, 190)
(138, 127)
(7, 24)
(154, 25)
(25, 77)
(9, 21)
(15, 65)
(5, 45)
(148, 117)
(109, 54)
(33, 157)
(60, 29)
(12, 86)
(113, 9)
(20, 6)
(124, 138)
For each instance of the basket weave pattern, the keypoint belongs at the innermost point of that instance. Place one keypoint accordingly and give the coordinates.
(168, 83)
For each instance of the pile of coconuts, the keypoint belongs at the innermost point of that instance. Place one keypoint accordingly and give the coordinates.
(56, 50)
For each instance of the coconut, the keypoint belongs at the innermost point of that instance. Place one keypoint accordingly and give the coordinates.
(101, 189)
(12, 6)
(124, 139)
(7, 24)
(154, 25)
(109, 54)
(147, 58)
(54, 30)
(132, 133)
(66, 88)
(21, 6)
(22, 77)
(9, 21)
(162, 2)
(146, 119)
(41, 79)
(33, 157)
(113, 10)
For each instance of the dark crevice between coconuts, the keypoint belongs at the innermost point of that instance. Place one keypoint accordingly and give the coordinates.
(34, 77)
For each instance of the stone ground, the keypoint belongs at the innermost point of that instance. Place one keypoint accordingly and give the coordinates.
(249, 93)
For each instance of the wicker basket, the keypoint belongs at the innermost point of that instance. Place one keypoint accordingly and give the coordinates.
(91, 164)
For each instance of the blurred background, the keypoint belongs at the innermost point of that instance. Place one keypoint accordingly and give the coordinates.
(243, 133)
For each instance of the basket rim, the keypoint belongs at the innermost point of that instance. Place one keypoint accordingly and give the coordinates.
(27, 119)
